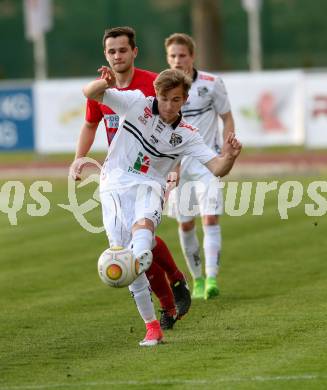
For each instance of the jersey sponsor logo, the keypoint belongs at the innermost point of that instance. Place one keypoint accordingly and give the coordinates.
(142, 163)
(187, 126)
(142, 120)
(175, 139)
(202, 91)
(147, 113)
(153, 139)
(160, 126)
(112, 121)
(206, 77)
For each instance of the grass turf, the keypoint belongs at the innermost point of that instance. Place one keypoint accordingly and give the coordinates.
(61, 328)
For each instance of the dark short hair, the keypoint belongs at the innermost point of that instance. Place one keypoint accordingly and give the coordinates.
(172, 78)
(181, 39)
(119, 31)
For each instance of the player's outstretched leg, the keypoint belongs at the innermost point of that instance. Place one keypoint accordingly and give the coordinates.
(141, 292)
(160, 286)
(141, 244)
(140, 288)
(179, 286)
(166, 261)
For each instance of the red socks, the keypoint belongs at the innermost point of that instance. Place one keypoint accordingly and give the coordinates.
(163, 264)
(163, 257)
(160, 286)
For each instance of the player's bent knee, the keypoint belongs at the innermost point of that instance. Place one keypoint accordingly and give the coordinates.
(210, 220)
(187, 226)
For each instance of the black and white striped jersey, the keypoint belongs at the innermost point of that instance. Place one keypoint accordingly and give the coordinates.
(145, 148)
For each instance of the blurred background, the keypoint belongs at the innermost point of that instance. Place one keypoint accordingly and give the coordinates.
(271, 54)
(293, 33)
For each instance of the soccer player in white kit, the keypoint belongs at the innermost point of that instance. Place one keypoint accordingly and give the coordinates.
(207, 99)
(151, 140)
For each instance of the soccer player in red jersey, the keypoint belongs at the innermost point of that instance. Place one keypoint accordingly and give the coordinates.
(166, 281)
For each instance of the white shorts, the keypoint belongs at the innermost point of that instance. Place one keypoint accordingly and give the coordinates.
(121, 209)
(197, 194)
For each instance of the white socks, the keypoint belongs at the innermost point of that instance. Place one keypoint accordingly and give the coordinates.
(212, 248)
(190, 247)
(142, 240)
(141, 292)
(140, 288)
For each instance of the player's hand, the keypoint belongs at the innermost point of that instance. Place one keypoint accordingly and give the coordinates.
(171, 183)
(232, 146)
(108, 75)
(75, 169)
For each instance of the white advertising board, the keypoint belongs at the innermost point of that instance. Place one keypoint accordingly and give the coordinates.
(316, 110)
(267, 107)
(60, 111)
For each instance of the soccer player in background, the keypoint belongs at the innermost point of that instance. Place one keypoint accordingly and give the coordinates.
(120, 51)
(151, 129)
(207, 99)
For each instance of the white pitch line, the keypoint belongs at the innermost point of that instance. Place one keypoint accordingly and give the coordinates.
(304, 377)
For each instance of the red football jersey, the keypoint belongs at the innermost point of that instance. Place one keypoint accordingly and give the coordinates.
(95, 112)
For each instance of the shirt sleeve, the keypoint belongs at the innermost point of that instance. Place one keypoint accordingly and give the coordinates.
(121, 101)
(220, 97)
(197, 149)
(93, 112)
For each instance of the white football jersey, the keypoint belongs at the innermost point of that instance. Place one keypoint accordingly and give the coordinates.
(207, 99)
(145, 148)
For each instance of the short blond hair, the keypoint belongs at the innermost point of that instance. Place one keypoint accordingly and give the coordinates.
(172, 78)
(181, 39)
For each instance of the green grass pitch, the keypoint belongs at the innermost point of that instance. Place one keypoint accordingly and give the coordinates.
(61, 328)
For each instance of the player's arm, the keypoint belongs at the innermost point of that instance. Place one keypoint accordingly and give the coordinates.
(85, 139)
(101, 90)
(229, 125)
(84, 143)
(96, 89)
(223, 107)
(220, 166)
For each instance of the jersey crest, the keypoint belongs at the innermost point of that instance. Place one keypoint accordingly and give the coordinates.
(175, 139)
(202, 91)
